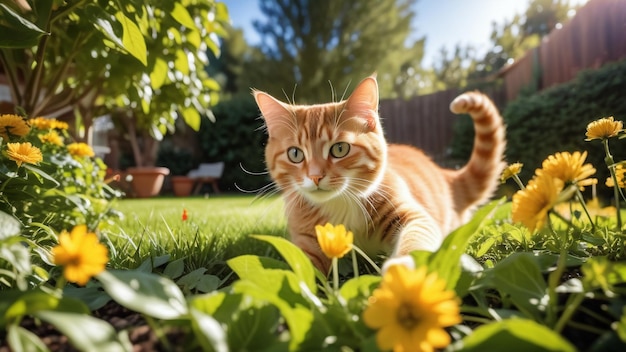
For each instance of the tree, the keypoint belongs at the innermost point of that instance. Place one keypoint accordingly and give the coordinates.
(142, 60)
(309, 43)
(513, 38)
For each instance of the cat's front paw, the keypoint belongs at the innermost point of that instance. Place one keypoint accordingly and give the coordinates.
(405, 260)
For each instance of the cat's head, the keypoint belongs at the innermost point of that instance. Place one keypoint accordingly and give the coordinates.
(328, 150)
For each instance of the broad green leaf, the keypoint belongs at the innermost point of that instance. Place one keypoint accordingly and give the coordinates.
(153, 262)
(9, 226)
(297, 260)
(446, 260)
(293, 308)
(359, 287)
(158, 75)
(519, 277)
(85, 332)
(174, 269)
(191, 279)
(20, 339)
(31, 302)
(254, 328)
(517, 335)
(92, 296)
(17, 32)
(145, 293)
(208, 332)
(208, 283)
(181, 15)
(132, 38)
(192, 117)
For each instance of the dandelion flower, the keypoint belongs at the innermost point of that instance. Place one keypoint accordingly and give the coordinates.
(24, 153)
(510, 171)
(81, 254)
(531, 205)
(335, 241)
(410, 310)
(51, 137)
(603, 128)
(569, 168)
(12, 125)
(80, 149)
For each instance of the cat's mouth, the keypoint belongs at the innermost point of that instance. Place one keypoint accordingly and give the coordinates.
(319, 195)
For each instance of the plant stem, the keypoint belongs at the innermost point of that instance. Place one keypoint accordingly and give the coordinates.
(355, 266)
(611, 164)
(158, 332)
(579, 195)
(570, 308)
(519, 182)
(554, 278)
(376, 267)
(335, 274)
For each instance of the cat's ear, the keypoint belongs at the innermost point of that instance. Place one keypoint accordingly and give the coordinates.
(274, 112)
(363, 102)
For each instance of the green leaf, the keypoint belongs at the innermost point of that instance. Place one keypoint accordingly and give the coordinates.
(297, 260)
(17, 32)
(20, 339)
(208, 332)
(158, 76)
(41, 175)
(519, 277)
(85, 332)
(132, 38)
(181, 15)
(92, 296)
(31, 302)
(359, 287)
(517, 335)
(9, 226)
(446, 260)
(153, 262)
(145, 293)
(192, 117)
(174, 268)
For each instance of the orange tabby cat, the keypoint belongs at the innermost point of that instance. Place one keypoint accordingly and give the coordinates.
(332, 164)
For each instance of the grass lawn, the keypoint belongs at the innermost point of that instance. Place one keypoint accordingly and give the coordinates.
(217, 228)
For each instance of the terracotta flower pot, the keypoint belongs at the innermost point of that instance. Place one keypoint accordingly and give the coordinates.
(182, 185)
(147, 181)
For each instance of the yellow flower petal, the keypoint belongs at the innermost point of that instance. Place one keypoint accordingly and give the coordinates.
(531, 205)
(12, 125)
(334, 241)
(81, 254)
(80, 149)
(603, 128)
(410, 309)
(24, 153)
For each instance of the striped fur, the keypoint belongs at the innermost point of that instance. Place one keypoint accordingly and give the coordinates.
(393, 197)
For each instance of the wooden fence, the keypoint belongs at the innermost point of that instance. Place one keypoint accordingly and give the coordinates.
(595, 36)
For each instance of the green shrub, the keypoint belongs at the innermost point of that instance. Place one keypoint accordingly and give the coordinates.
(556, 118)
(236, 139)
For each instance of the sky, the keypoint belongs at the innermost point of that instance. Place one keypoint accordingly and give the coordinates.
(443, 22)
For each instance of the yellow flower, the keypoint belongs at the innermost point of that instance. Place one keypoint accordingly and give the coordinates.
(531, 205)
(24, 153)
(81, 254)
(410, 310)
(12, 125)
(335, 241)
(51, 137)
(43, 123)
(603, 128)
(511, 171)
(80, 149)
(620, 174)
(569, 168)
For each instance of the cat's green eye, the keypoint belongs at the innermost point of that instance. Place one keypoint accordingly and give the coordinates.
(295, 155)
(339, 150)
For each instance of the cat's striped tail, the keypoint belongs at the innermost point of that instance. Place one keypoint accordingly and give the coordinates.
(475, 182)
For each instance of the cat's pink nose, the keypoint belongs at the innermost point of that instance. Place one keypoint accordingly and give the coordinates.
(316, 179)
